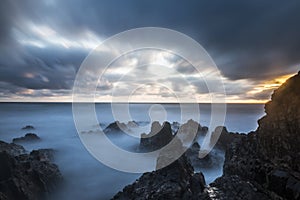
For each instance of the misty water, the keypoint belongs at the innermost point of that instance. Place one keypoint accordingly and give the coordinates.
(84, 176)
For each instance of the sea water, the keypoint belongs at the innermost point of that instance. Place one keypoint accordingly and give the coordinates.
(84, 176)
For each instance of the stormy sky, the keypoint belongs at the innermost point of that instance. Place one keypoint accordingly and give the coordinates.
(255, 44)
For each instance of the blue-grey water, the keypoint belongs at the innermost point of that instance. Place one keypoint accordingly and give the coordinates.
(84, 176)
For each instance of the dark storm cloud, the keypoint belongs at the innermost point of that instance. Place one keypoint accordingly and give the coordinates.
(248, 39)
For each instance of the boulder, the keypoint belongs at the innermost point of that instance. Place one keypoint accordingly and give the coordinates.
(29, 137)
(176, 181)
(26, 176)
(12, 149)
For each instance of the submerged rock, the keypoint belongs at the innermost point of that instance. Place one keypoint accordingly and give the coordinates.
(28, 127)
(26, 176)
(28, 137)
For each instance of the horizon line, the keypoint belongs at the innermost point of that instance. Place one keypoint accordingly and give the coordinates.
(133, 102)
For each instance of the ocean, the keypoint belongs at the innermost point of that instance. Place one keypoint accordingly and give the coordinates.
(84, 176)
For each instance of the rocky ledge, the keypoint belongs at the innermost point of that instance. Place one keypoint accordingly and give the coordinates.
(26, 176)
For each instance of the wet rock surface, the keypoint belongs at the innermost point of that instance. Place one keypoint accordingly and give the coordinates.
(26, 176)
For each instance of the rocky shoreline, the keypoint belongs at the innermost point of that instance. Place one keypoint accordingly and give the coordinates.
(264, 164)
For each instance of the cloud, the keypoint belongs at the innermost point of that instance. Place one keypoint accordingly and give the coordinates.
(44, 42)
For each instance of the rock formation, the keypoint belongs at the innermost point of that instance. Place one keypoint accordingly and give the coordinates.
(26, 176)
(159, 136)
(28, 127)
(264, 164)
(270, 156)
(176, 181)
(28, 137)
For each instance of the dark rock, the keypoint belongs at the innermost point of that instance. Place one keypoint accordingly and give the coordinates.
(28, 137)
(158, 137)
(12, 149)
(28, 127)
(279, 130)
(213, 159)
(26, 176)
(233, 187)
(115, 127)
(222, 138)
(176, 181)
(269, 157)
(189, 132)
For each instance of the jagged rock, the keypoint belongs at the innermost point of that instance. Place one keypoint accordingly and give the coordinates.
(26, 138)
(158, 137)
(176, 181)
(26, 176)
(213, 159)
(234, 188)
(28, 127)
(279, 130)
(115, 127)
(189, 132)
(269, 157)
(12, 149)
(225, 138)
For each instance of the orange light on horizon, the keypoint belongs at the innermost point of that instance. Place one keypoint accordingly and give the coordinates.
(269, 86)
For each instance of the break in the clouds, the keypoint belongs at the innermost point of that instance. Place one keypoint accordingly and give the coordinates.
(255, 44)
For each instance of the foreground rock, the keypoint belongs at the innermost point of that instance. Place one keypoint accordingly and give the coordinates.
(26, 176)
(176, 181)
(29, 137)
(270, 157)
(215, 158)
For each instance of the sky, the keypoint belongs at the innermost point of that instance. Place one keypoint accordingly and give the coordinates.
(255, 45)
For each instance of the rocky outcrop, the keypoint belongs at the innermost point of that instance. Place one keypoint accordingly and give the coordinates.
(279, 131)
(12, 149)
(222, 138)
(26, 176)
(214, 159)
(29, 137)
(269, 157)
(115, 127)
(176, 181)
(159, 136)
